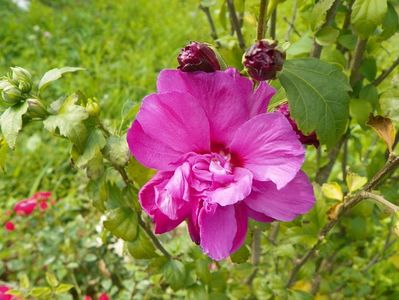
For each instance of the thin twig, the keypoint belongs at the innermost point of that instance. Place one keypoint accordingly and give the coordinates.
(262, 23)
(273, 23)
(381, 200)
(208, 15)
(274, 229)
(292, 26)
(154, 239)
(344, 159)
(291, 23)
(324, 172)
(349, 202)
(357, 60)
(387, 244)
(386, 73)
(236, 23)
(256, 252)
(128, 182)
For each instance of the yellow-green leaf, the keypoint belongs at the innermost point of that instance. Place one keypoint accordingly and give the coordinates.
(333, 191)
(355, 182)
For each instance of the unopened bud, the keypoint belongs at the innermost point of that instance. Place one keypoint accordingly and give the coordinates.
(198, 57)
(92, 107)
(36, 109)
(22, 78)
(310, 139)
(263, 60)
(10, 93)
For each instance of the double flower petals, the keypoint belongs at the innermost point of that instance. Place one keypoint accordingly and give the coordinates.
(221, 158)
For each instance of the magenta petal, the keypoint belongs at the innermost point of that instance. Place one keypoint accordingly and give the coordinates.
(285, 204)
(257, 216)
(235, 191)
(147, 198)
(226, 97)
(242, 226)
(218, 229)
(269, 148)
(162, 133)
(172, 199)
(261, 98)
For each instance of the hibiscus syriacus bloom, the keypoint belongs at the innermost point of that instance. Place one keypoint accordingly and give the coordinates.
(103, 296)
(221, 158)
(3, 293)
(27, 206)
(9, 226)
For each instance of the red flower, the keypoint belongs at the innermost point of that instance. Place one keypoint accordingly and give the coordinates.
(25, 207)
(87, 297)
(42, 195)
(9, 226)
(104, 296)
(3, 293)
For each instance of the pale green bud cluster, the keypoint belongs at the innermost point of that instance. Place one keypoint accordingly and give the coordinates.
(16, 86)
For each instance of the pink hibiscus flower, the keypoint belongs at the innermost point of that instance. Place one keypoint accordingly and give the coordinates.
(221, 158)
(27, 206)
(103, 296)
(3, 293)
(9, 226)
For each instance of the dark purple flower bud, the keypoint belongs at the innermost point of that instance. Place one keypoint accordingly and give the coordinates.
(198, 57)
(310, 139)
(263, 60)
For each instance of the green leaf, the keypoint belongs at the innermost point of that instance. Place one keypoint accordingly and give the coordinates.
(202, 270)
(141, 247)
(94, 144)
(55, 74)
(68, 120)
(40, 291)
(318, 98)
(174, 273)
(241, 255)
(123, 223)
(370, 93)
(23, 281)
(368, 68)
(327, 36)
(390, 25)
(333, 191)
(95, 166)
(360, 110)
(137, 173)
(51, 279)
(14, 293)
(117, 150)
(319, 12)
(348, 41)
(367, 15)
(63, 288)
(3, 154)
(11, 122)
(355, 182)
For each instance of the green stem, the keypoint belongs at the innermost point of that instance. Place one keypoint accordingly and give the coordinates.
(236, 23)
(262, 22)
